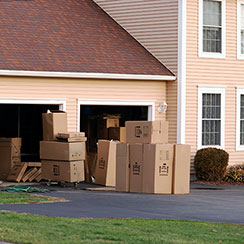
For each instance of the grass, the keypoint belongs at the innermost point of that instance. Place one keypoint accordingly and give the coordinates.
(23, 198)
(25, 228)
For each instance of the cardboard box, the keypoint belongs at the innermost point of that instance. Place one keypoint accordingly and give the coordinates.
(64, 151)
(53, 123)
(117, 133)
(157, 168)
(122, 168)
(146, 131)
(71, 135)
(181, 169)
(106, 163)
(103, 125)
(62, 171)
(9, 155)
(136, 167)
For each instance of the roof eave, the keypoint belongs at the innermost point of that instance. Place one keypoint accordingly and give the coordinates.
(86, 75)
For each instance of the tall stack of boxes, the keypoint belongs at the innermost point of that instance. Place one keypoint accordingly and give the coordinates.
(63, 158)
(148, 164)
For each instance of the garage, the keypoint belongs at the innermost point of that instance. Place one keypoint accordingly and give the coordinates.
(24, 120)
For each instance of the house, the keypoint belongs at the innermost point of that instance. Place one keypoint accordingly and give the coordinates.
(202, 41)
(71, 55)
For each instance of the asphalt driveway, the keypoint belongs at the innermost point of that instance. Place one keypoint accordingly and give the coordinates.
(205, 203)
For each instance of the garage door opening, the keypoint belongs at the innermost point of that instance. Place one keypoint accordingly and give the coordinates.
(90, 115)
(25, 121)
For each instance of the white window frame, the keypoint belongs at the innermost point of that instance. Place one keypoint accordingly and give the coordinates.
(239, 92)
(150, 104)
(200, 34)
(211, 90)
(239, 54)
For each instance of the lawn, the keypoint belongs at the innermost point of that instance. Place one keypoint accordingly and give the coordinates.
(25, 228)
(22, 198)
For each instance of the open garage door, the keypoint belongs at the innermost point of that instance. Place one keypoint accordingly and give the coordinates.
(25, 121)
(90, 115)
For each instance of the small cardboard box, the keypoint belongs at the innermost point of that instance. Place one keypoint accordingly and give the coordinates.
(157, 168)
(136, 167)
(53, 123)
(103, 125)
(117, 133)
(64, 151)
(181, 169)
(9, 155)
(106, 163)
(146, 131)
(122, 168)
(62, 171)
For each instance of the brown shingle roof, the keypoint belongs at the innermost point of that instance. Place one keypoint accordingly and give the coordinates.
(69, 36)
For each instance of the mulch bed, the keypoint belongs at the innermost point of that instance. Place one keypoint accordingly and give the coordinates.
(219, 183)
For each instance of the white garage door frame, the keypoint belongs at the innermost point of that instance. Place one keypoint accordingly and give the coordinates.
(149, 104)
(45, 101)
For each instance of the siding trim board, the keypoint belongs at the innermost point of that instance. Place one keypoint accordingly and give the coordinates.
(181, 97)
(86, 75)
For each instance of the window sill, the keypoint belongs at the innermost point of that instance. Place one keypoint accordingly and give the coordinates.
(211, 55)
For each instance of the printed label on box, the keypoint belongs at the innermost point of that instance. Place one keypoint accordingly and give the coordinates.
(138, 131)
(164, 169)
(146, 131)
(101, 163)
(136, 168)
(56, 170)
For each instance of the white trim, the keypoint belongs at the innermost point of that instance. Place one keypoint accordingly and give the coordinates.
(150, 104)
(239, 55)
(52, 101)
(181, 98)
(86, 75)
(239, 92)
(221, 91)
(200, 32)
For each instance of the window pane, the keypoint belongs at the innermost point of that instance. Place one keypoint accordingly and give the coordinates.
(211, 124)
(242, 133)
(211, 39)
(242, 16)
(212, 13)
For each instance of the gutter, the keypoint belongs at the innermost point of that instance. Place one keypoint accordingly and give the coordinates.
(86, 75)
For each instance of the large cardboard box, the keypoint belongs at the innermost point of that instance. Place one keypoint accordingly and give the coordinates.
(157, 168)
(9, 155)
(122, 168)
(117, 133)
(106, 163)
(62, 171)
(64, 151)
(181, 169)
(136, 167)
(52, 124)
(146, 131)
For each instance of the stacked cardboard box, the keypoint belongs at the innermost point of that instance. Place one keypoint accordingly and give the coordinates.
(147, 163)
(62, 159)
(9, 155)
(106, 163)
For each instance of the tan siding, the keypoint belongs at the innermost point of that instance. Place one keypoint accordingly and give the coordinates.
(155, 25)
(228, 72)
(74, 89)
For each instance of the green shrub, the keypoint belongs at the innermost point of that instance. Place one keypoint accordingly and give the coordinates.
(235, 174)
(210, 164)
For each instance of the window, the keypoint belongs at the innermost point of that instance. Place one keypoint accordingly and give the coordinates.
(240, 30)
(211, 36)
(211, 117)
(240, 119)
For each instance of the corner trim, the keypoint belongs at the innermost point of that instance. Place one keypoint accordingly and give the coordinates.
(181, 98)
